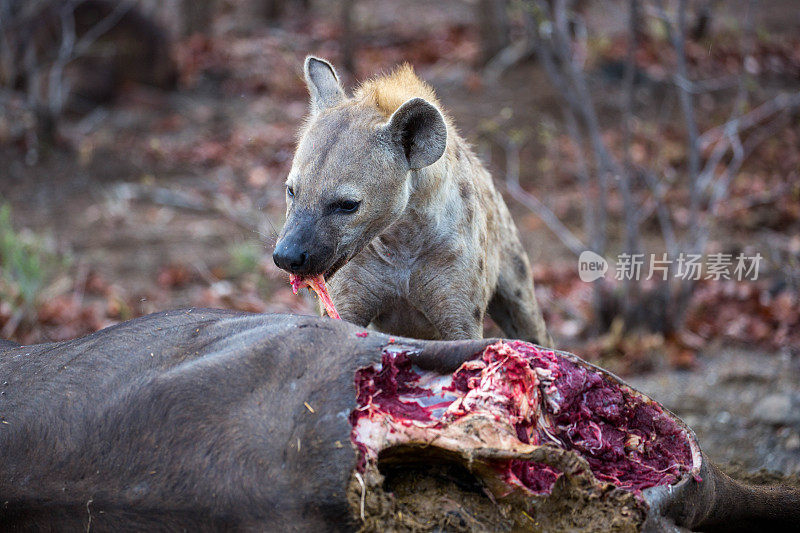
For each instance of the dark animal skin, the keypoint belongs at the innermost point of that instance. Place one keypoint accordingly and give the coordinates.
(187, 420)
(196, 420)
(6, 345)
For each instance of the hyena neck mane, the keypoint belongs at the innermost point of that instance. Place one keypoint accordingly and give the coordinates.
(387, 93)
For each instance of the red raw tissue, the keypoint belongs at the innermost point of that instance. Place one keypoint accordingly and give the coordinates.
(318, 285)
(520, 395)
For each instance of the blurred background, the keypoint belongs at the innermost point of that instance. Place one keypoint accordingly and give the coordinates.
(144, 145)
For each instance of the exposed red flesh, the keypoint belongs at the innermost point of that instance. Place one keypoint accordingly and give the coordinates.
(540, 397)
(318, 285)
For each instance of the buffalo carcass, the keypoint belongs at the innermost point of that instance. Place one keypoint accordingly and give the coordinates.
(215, 420)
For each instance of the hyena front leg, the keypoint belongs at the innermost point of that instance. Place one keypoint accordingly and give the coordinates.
(513, 306)
(450, 302)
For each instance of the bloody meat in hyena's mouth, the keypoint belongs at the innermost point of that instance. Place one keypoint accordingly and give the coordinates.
(318, 285)
(516, 396)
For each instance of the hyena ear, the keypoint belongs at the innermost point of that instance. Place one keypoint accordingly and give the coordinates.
(323, 84)
(418, 128)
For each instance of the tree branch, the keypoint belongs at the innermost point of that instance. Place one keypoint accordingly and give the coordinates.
(99, 29)
(677, 35)
(782, 102)
(573, 243)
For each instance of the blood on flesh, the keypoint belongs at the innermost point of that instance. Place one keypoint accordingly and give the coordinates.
(318, 285)
(521, 395)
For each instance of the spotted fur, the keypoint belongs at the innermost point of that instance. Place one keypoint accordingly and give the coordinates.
(432, 246)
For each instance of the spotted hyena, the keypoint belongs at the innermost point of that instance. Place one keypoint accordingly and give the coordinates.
(388, 202)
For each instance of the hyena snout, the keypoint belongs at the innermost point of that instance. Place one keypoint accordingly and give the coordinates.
(292, 257)
(304, 252)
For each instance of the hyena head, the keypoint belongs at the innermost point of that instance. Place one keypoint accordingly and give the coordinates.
(352, 172)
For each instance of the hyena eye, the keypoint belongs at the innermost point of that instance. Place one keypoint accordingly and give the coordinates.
(290, 191)
(345, 206)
